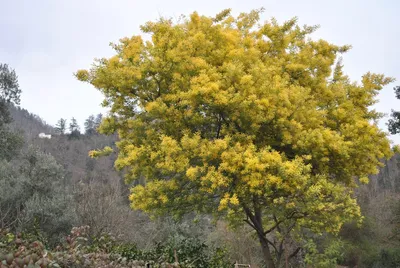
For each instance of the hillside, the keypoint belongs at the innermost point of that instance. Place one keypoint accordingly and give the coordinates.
(30, 124)
(388, 178)
(71, 153)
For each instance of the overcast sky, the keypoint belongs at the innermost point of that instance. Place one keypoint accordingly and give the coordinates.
(46, 41)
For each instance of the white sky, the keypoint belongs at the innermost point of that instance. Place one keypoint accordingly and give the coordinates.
(46, 41)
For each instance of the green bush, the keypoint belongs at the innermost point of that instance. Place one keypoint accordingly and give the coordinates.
(33, 197)
(326, 254)
(388, 258)
(188, 251)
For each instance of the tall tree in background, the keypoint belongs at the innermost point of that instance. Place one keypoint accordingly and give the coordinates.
(61, 126)
(74, 129)
(394, 122)
(90, 125)
(250, 121)
(98, 119)
(9, 87)
(73, 126)
(10, 92)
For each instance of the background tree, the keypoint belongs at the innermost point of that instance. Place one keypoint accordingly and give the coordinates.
(394, 122)
(9, 87)
(90, 125)
(98, 119)
(34, 195)
(61, 126)
(10, 142)
(9, 91)
(47, 198)
(250, 121)
(74, 129)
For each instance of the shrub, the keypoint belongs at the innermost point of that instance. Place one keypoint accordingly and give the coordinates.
(81, 250)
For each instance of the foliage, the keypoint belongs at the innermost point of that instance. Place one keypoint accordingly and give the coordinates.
(389, 258)
(11, 194)
(81, 250)
(375, 243)
(47, 203)
(326, 258)
(10, 144)
(252, 121)
(33, 195)
(5, 116)
(21, 249)
(74, 129)
(190, 252)
(9, 87)
(97, 121)
(394, 122)
(9, 92)
(61, 126)
(90, 125)
(357, 247)
(17, 250)
(103, 152)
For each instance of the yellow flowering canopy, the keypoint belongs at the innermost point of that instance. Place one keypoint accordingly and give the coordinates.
(246, 119)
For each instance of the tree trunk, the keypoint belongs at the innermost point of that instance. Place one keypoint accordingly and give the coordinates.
(267, 253)
(255, 221)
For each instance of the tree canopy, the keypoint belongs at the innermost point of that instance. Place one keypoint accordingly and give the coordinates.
(9, 91)
(61, 126)
(74, 129)
(10, 142)
(251, 121)
(9, 87)
(90, 125)
(394, 121)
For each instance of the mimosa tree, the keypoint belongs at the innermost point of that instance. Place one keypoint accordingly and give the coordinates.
(251, 121)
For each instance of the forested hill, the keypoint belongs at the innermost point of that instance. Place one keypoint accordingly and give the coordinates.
(71, 151)
(30, 124)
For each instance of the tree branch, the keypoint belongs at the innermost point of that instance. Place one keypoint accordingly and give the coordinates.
(294, 253)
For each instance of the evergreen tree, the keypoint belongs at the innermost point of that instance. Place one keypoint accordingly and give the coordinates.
(61, 126)
(98, 119)
(74, 129)
(9, 92)
(394, 122)
(90, 125)
(9, 87)
(10, 142)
